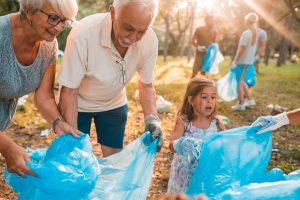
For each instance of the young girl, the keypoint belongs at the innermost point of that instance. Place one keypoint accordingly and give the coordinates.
(196, 119)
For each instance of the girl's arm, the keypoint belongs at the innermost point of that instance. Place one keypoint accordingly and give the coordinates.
(177, 133)
(220, 125)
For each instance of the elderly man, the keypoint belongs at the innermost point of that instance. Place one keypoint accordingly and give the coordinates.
(103, 53)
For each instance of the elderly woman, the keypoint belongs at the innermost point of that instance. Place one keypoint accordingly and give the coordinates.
(244, 58)
(28, 55)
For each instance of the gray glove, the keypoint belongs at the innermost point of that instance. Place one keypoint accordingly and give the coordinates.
(270, 123)
(153, 125)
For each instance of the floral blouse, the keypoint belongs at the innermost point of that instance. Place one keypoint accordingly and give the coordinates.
(182, 168)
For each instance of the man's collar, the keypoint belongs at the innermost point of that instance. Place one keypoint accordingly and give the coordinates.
(105, 32)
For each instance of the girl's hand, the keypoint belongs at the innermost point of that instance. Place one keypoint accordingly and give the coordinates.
(188, 147)
(16, 158)
(64, 128)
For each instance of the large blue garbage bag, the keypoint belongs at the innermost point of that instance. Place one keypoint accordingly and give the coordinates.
(68, 170)
(131, 171)
(210, 57)
(233, 165)
(227, 87)
(230, 158)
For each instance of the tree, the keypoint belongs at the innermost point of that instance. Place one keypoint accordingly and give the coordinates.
(8, 6)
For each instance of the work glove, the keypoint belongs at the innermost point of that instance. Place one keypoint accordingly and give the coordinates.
(270, 123)
(153, 125)
(188, 147)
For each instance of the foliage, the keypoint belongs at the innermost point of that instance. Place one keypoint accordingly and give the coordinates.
(8, 6)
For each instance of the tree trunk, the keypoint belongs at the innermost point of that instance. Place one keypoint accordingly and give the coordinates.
(166, 44)
(283, 50)
(267, 54)
(191, 33)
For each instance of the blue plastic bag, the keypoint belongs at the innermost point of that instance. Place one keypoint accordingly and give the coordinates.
(230, 158)
(69, 170)
(250, 76)
(227, 86)
(127, 174)
(233, 165)
(210, 57)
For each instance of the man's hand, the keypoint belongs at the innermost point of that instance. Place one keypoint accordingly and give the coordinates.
(233, 65)
(16, 158)
(188, 147)
(270, 123)
(152, 124)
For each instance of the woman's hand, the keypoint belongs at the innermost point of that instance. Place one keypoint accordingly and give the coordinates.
(64, 128)
(16, 158)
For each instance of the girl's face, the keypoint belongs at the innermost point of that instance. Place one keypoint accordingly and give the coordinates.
(204, 102)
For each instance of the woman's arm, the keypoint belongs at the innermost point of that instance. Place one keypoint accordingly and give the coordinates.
(15, 156)
(45, 101)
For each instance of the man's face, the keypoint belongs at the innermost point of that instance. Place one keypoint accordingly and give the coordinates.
(130, 25)
(209, 21)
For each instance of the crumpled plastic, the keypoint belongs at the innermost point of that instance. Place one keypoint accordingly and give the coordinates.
(210, 57)
(163, 105)
(189, 147)
(215, 66)
(127, 174)
(69, 170)
(227, 86)
(233, 164)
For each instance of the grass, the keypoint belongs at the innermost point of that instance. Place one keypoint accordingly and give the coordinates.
(274, 85)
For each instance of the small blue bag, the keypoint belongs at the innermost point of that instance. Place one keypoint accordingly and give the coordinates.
(250, 76)
(210, 57)
(227, 87)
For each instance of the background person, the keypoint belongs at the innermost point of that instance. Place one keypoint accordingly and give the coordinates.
(202, 38)
(244, 58)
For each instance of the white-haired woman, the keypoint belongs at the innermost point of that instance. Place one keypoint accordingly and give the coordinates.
(28, 55)
(244, 58)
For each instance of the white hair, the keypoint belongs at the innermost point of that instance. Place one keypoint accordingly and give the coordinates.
(66, 8)
(251, 18)
(150, 6)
